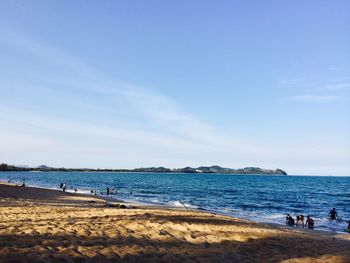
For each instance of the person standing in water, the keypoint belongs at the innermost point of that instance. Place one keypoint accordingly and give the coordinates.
(64, 187)
(310, 223)
(289, 220)
(333, 214)
(300, 220)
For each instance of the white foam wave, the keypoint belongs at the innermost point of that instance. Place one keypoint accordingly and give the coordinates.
(181, 204)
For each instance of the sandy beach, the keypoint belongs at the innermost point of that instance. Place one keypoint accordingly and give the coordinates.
(40, 225)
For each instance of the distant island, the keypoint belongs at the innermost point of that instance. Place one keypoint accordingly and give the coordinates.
(215, 169)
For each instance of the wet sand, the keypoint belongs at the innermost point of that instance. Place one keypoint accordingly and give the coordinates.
(40, 225)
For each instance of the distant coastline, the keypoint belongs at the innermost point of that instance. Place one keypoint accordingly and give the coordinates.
(215, 169)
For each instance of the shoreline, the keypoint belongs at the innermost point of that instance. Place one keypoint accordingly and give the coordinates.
(45, 225)
(148, 205)
(145, 204)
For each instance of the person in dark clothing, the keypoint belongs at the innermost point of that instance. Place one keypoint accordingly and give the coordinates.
(24, 182)
(333, 214)
(61, 185)
(107, 191)
(289, 220)
(310, 222)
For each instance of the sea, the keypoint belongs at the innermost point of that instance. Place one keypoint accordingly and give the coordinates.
(260, 198)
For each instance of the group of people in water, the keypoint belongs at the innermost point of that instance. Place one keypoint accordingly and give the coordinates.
(109, 191)
(300, 221)
(63, 186)
(310, 223)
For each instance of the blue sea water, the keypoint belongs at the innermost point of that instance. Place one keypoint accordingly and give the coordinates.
(261, 198)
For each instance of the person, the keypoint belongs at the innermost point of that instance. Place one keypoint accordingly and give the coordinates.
(107, 191)
(64, 187)
(75, 190)
(309, 222)
(61, 185)
(289, 220)
(24, 182)
(333, 214)
(300, 220)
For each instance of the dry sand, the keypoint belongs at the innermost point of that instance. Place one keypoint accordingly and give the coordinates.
(38, 225)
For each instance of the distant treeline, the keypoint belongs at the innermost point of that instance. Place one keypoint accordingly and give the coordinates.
(201, 169)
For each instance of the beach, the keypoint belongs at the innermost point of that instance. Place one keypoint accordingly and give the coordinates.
(41, 225)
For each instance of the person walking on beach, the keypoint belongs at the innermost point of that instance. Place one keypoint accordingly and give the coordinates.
(309, 223)
(24, 182)
(107, 191)
(61, 185)
(64, 187)
(333, 214)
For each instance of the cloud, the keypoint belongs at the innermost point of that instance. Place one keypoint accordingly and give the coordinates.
(344, 86)
(77, 75)
(69, 113)
(314, 98)
(76, 87)
(339, 68)
(291, 81)
(318, 91)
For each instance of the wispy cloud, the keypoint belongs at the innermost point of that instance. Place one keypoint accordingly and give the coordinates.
(75, 82)
(49, 121)
(314, 98)
(339, 68)
(319, 91)
(294, 81)
(342, 86)
(75, 74)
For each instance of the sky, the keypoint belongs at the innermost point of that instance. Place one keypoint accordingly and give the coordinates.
(125, 84)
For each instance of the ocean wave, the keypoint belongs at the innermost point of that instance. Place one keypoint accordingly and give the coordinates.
(181, 204)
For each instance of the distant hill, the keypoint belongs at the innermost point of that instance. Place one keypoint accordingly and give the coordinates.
(6, 167)
(202, 169)
(221, 170)
(44, 167)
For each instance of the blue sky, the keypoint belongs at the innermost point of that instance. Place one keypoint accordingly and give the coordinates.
(122, 84)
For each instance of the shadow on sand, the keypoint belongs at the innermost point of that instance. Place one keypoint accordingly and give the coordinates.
(73, 248)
